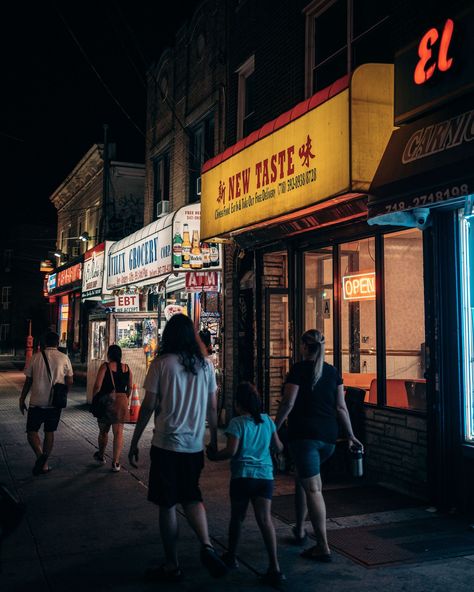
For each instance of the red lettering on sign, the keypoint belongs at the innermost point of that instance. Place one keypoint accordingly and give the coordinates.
(425, 68)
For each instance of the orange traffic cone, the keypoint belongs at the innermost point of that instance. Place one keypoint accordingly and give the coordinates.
(134, 405)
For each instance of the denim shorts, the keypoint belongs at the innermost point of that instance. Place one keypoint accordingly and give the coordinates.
(308, 456)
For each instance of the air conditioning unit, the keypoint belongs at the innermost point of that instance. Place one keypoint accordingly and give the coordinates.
(198, 186)
(75, 252)
(162, 207)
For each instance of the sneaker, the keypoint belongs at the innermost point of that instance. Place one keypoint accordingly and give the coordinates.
(99, 458)
(230, 561)
(116, 467)
(212, 562)
(161, 574)
(275, 579)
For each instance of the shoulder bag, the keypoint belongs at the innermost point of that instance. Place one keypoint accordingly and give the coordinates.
(59, 390)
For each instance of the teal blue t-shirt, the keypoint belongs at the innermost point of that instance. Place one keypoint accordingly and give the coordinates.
(253, 459)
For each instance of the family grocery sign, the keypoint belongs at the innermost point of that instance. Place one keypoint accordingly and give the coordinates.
(303, 162)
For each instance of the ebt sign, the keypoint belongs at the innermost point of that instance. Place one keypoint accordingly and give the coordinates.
(127, 303)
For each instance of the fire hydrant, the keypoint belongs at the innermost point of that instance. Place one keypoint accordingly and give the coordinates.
(29, 346)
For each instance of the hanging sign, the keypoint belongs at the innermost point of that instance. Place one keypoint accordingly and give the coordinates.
(189, 252)
(127, 303)
(202, 281)
(93, 271)
(52, 280)
(360, 286)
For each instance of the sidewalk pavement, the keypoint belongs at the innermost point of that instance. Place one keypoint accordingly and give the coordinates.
(87, 528)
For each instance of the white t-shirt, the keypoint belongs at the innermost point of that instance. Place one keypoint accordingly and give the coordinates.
(60, 366)
(181, 403)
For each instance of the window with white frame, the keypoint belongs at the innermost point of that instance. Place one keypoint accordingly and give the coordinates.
(342, 35)
(467, 303)
(7, 259)
(6, 297)
(4, 332)
(161, 182)
(246, 98)
(201, 148)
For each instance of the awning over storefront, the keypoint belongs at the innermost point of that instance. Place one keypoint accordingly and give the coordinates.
(168, 245)
(426, 164)
(325, 148)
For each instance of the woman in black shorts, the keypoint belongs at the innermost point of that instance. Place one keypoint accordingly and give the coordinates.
(313, 401)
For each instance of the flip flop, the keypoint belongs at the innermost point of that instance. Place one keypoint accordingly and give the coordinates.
(38, 466)
(315, 555)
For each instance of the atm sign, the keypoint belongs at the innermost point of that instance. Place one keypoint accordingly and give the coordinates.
(360, 286)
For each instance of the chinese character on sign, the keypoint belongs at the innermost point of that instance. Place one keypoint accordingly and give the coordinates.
(221, 196)
(305, 152)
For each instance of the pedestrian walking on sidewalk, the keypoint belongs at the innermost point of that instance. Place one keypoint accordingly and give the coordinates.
(39, 383)
(313, 401)
(180, 392)
(249, 437)
(113, 384)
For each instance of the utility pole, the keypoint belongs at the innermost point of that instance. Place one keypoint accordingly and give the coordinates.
(105, 188)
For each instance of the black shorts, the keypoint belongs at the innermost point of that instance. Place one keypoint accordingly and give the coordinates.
(244, 489)
(38, 415)
(174, 477)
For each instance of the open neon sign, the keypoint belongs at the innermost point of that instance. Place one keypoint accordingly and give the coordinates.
(427, 64)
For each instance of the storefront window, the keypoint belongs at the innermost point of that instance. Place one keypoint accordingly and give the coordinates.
(318, 296)
(467, 294)
(358, 313)
(129, 333)
(98, 344)
(404, 320)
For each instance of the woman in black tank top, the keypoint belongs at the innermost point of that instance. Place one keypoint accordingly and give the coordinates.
(115, 379)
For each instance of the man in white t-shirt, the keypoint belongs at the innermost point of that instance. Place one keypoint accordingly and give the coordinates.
(41, 410)
(181, 392)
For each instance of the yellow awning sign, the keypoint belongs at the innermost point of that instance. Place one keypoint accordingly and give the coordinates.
(308, 159)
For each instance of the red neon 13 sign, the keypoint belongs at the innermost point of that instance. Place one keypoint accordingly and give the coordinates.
(427, 63)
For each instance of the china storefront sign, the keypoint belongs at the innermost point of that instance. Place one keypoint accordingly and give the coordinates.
(143, 257)
(93, 272)
(127, 303)
(327, 146)
(202, 281)
(69, 276)
(189, 252)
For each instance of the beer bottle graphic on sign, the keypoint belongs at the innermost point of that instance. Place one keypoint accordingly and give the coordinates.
(206, 261)
(196, 257)
(186, 247)
(177, 246)
(214, 254)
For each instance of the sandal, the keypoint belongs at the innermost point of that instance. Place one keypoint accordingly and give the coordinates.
(39, 464)
(161, 574)
(297, 539)
(315, 554)
(212, 562)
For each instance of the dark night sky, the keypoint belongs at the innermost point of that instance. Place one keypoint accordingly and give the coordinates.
(52, 105)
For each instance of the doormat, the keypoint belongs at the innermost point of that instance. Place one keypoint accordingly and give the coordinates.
(424, 539)
(349, 501)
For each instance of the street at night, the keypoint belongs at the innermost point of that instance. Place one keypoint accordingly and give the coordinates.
(237, 311)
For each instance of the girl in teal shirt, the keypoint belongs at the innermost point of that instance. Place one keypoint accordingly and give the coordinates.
(249, 437)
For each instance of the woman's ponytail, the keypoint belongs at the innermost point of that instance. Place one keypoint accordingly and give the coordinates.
(248, 399)
(315, 344)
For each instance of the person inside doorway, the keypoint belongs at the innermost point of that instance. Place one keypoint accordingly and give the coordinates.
(313, 401)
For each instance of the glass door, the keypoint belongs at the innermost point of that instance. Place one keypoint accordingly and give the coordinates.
(277, 346)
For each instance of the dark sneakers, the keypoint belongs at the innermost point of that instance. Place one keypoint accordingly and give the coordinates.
(161, 574)
(230, 561)
(212, 562)
(274, 579)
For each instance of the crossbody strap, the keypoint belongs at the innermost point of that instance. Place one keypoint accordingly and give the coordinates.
(45, 358)
(112, 377)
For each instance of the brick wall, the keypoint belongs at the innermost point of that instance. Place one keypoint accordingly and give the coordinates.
(396, 450)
